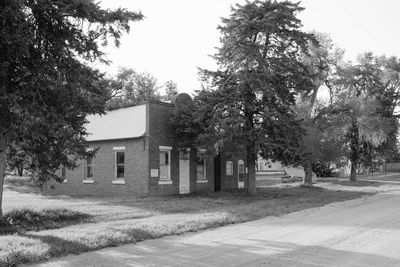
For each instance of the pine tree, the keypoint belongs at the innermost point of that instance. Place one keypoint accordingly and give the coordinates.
(249, 101)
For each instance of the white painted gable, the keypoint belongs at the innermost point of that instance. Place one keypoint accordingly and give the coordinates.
(127, 122)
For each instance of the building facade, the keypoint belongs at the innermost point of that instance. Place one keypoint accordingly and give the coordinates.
(137, 154)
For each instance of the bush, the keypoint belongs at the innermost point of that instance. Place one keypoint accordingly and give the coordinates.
(28, 220)
(323, 169)
(6, 227)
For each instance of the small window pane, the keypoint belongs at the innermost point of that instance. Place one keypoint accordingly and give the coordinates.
(229, 168)
(120, 171)
(89, 172)
(162, 158)
(164, 165)
(201, 166)
(63, 172)
(89, 168)
(241, 166)
(120, 157)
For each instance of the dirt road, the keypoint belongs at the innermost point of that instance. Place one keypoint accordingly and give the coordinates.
(361, 232)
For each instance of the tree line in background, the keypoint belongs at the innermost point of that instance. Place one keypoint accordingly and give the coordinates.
(129, 87)
(263, 97)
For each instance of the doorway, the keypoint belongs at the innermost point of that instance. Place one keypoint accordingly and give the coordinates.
(184, 172)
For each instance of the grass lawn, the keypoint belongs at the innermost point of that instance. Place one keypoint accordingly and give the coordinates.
(115, 221)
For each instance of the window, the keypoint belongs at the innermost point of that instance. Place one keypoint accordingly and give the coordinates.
(241, 166)
(165, 163)
(229, 168)
(64, 174)
(89, 166)
(119, 165)
(241, 173)
(201, 164)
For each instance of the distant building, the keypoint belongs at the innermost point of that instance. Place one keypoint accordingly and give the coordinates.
(267, 167)
(138, 155)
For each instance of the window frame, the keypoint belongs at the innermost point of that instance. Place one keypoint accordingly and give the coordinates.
(116, 151)
(85, 173)
(165, 149)
(230, 173)
(241, 163)
(204, 179)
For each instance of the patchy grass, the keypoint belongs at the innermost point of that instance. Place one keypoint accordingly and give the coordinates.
(19, 180)
(120, 220)
(30, 220)
(363, 184)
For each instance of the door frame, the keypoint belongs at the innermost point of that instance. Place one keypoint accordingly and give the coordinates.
(184, 174)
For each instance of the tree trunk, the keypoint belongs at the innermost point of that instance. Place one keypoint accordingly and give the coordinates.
(251, 172)
(20, 170)
(308, 173)
(353, 171)
(354, 150)
(2, 168)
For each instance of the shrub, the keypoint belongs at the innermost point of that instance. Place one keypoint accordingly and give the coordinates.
(6, 227)
(323, 169)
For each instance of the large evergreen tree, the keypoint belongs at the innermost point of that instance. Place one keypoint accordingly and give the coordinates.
(46, 84)
(249, 101)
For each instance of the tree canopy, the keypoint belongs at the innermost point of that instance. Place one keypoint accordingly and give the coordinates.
(249, 100)
(47, 86)
(130, 87)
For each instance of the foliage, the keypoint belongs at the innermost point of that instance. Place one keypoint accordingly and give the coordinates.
(250, 99)
(317, 117)
(323, 169)
(134, 88)
(171, 90)
(46, 84)
(16, 159)
(368, 90)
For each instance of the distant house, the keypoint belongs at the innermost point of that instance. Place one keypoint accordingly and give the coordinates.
(267, 167)
(138, 155)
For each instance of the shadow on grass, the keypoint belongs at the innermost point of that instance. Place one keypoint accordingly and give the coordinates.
(278, 199)
(357, 183)
(57, 247)
(24, 189)
(21, 220)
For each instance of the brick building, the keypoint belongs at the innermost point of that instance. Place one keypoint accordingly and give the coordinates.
(138, 155)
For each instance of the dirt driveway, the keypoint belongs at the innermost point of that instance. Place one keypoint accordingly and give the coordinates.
(360, 232)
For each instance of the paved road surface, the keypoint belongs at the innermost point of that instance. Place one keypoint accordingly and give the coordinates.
(361, 232)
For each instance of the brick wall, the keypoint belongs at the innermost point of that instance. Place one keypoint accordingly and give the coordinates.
(160, 133)
(136, 172)
(231, 182)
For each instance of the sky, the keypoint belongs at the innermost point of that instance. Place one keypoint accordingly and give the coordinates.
(177, 37)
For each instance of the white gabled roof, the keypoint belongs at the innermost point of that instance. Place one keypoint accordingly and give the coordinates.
(121, 123)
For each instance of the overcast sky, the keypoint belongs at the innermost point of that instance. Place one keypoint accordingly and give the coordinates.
(177, 36)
